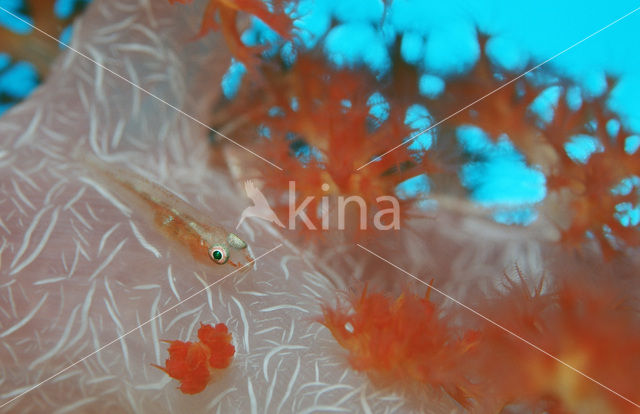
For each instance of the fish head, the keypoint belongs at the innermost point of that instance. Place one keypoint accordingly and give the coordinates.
(231, 251)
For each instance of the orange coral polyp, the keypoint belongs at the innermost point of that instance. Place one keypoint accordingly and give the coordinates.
(401, 339)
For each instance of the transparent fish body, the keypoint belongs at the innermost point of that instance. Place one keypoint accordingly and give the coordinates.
(177, 220)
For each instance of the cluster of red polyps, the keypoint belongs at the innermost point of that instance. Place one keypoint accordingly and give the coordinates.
(194, 363)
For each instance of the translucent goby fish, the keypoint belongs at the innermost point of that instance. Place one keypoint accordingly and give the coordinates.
(177, 220)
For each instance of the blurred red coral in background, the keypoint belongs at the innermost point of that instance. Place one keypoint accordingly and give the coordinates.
(589, 327)
(317, 123)
(33, 47)
(583, 188)
(223, 15)
(409, 340)
(25, 51)
(321, 130)
(590, 186)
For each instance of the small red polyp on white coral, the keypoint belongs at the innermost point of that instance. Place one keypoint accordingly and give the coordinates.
(193, 363)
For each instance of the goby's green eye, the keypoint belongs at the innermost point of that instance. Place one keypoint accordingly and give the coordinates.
(219, 254)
